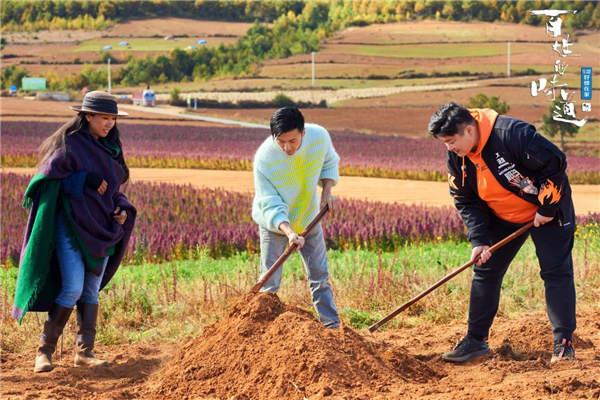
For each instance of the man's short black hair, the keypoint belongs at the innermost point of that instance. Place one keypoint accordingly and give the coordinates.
(445, 121)
(286, 119)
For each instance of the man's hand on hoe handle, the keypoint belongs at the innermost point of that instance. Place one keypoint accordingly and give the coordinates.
(293, 237)
(480, 255)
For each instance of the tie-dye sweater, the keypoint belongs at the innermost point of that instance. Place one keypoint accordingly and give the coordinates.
(286, 186)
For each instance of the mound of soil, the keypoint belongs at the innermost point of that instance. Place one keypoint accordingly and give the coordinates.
(530, 339)
(265, 350)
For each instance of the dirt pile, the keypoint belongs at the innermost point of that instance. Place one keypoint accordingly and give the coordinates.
(531, 339)
(228, 362)
(265, 350)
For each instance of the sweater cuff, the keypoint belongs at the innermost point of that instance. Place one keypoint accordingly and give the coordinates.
(330, 173)
(278, 220)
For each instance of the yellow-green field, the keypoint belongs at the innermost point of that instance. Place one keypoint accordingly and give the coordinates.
(148, 44)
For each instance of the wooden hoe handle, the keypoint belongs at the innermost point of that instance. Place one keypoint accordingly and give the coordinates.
(445, 279)
(282, 258)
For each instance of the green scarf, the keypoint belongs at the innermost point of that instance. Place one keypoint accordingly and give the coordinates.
(35, 261)
(34, 282)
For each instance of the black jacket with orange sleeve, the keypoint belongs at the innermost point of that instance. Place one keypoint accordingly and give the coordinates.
(523, 162)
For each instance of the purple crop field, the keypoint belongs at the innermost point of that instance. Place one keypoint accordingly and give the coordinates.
(164, 146)
(178, 222)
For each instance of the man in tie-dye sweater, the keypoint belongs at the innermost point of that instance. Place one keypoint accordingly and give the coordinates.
(288, 166)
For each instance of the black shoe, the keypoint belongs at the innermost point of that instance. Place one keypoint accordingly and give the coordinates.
(467, 349)
(563, 350)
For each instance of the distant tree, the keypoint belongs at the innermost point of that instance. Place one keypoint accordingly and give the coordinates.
(553, 128)
(94, 78)
(596, 17)
(582, 18)
(452, 10)
(23, 15)
(12, 75)
(314, 14)
(420, 6)
(105, 55)
(495, 103)
(281, 100)
(175, 97)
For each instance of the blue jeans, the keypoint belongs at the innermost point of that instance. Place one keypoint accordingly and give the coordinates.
(314, 255)
(77, 283)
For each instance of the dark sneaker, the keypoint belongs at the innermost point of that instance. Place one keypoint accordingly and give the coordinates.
(563, 350)
(467, 349)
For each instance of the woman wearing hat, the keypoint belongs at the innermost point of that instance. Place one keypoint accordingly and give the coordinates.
(78, 228)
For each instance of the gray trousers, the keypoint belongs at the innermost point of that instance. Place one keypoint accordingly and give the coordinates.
(314, 255)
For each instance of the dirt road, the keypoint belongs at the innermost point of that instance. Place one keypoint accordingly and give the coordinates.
(586, 197)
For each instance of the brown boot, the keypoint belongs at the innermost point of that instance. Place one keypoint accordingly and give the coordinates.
(53, 327)
(87, 316)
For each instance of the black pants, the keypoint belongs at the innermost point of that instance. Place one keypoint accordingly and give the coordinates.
(553, 244)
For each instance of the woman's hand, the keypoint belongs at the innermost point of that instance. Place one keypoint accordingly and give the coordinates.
(120, 215)
(103, 186)
(95, 181)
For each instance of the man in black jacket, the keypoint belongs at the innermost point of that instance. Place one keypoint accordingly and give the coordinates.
(503, 174)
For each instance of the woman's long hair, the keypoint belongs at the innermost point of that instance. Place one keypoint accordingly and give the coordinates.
(57, 141)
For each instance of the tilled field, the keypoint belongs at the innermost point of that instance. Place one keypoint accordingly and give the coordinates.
(264, 349)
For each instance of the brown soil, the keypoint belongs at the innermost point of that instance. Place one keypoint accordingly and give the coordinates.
(264, 349)
(36, 53)
(382, 120)
(178, 27)
(523, 342)
(436, 31)
(137, 28)
(53, 36)
(129, 365)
